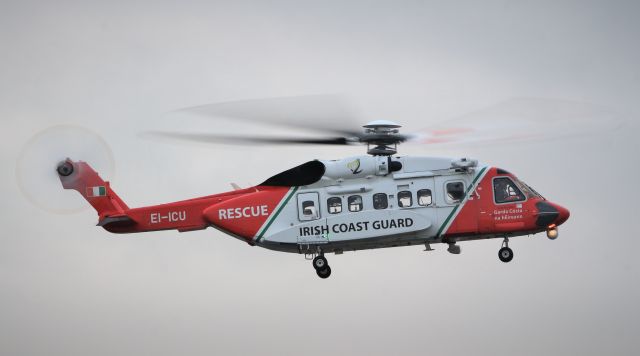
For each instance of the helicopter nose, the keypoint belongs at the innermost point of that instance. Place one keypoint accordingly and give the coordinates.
(563, 214)
(551, 213)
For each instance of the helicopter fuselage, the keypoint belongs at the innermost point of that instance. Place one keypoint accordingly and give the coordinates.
(359, 204)
(355, 203)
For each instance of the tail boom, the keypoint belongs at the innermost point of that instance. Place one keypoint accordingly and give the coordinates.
(115, 216)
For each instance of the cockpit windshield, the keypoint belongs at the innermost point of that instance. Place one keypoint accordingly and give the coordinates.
(530, 192)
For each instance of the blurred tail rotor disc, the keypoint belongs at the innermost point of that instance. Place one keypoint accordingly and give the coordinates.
(36, 166)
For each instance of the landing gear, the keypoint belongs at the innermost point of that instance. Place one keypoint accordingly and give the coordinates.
(324, 273)
(321, 266)
(505, 253)
(319, 262)
(453, 248)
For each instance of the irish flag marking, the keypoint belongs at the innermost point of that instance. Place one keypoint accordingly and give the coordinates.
(99, 191)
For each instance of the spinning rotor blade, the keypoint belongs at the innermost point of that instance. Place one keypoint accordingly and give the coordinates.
(36, 166)
(252, 140)
(522, 119)
(515, 120)
(325, 113)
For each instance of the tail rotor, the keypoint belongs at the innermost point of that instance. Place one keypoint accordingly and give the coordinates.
(44, 159)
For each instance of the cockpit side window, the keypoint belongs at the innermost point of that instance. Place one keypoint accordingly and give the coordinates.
(506, 191)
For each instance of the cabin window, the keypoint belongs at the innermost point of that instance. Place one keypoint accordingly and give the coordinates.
(334, 205)
(309, 208)
(455, 192)
(424, 197)
(506, 191)
(404, 199)
(355, 203)
(380, 201)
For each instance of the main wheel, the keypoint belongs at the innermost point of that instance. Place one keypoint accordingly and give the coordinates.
(505, 254)
(320, 263)
(324, 273)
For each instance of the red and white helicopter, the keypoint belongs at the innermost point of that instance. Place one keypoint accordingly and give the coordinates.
(362, 202)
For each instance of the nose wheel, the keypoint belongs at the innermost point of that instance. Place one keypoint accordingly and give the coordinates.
(321, 265)
(505, 253)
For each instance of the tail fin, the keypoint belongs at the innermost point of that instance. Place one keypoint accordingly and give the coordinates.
(81, 177)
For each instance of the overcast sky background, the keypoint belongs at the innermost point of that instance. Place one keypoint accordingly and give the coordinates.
(70, 288)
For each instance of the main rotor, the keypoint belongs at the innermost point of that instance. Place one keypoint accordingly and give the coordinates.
(332, 120)
(381, 137)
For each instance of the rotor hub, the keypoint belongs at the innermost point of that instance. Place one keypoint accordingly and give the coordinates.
(65, 168)
(382, 137)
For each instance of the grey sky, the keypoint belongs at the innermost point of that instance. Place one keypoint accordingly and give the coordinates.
(70, 288)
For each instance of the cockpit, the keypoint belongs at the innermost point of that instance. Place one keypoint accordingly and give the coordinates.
(509, 189)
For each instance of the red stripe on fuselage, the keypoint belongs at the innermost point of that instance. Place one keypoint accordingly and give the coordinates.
(245, 214)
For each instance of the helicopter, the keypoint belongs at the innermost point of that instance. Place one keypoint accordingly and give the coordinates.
(370, 201)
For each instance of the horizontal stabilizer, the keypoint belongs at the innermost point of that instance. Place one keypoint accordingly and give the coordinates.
(118, 220)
